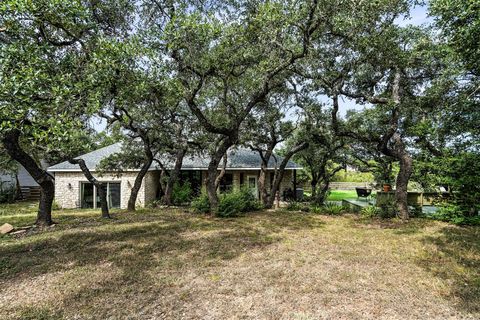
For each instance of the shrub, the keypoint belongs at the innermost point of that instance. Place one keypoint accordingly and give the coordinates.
(233, 203)
(297, 206)
(201, 204)
(333, 209)
(328, 208)
(453, 213)
(388, 209)
(181, 193)
(8, 194)
(370, 211)
(316, 209)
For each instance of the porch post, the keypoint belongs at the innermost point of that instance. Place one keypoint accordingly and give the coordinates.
(295, 184)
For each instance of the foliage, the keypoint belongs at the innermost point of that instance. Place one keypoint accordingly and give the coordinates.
(460, 23)
(237, 201)
(182, 193)
(453, 213)
(328, 209)
(352, 176)
(201, 204)
(388, 209)
(333, 209)
(298, 206)
(8, 193)
(370, 211)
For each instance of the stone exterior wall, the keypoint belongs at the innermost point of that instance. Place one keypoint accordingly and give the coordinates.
(287, 181)
(67, 188)
(67, 185)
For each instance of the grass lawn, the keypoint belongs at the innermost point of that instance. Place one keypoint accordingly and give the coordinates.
(338, 195)
(170, 264)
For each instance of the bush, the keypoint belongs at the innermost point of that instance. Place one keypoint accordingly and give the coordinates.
(453, 214)
(297, 206)
(388, 209)
(233, 203)
(201, 204)
(329, 209)
(370, 211)
(181, 193)
(8, 194)
(333, 209)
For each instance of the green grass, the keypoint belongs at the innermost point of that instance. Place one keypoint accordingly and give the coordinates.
(339, 195)
(18, 208)
(170, 264)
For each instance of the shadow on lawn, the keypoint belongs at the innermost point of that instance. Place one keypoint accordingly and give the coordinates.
(456, 258)
(133, 242)
(398, 226)
(143, 249)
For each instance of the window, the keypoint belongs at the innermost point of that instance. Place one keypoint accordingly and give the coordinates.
(90, 196)
(226, 183)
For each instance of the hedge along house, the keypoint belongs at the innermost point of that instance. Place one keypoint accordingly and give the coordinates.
(72, 189)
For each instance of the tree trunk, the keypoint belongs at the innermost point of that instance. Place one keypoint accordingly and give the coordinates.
(132, 200)
(313, 184)
(18, 188)
(399, 152)
(210, 180)
(262, 185)
(222, 172)
(44, 179)
(99, 185)
(174, 174)
(402, 183)
(103, 200)
(262, 179)
(280, 172)
(321, 196)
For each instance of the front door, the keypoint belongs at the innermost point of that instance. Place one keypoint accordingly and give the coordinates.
(253, 185)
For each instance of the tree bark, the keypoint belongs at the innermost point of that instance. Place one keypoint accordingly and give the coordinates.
(262, 179)
(320, 198)
(403, 177)
(280, 172)
(313, 184)
(174, 174)
(99, 185)
(132, 200)
(222, 172)
(212, 170)
(44, 179)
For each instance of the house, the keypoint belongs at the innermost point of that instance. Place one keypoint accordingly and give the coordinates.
(72, 189)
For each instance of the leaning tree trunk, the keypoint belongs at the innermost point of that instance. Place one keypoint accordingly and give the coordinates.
(99, 185)
(132, 200)
(47, 187)
(212, 170)
(222, 172)
(174, 174)
(280, 172)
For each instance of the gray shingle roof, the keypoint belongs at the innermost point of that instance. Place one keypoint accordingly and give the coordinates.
(239, 158)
